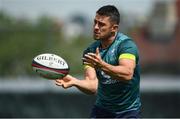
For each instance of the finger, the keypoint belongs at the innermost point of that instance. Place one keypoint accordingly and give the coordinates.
(58, 80)
(63, 85)
(84, 59)
(87, 63)
(87, 60)
(89, 56)
(58, 83)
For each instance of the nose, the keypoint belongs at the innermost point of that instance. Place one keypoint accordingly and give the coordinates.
(96, 26)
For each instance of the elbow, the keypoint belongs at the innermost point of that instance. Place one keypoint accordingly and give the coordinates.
(93, 89)
(128, 76)
(92, 92)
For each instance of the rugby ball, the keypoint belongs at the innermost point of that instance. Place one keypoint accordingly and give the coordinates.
(50, 66)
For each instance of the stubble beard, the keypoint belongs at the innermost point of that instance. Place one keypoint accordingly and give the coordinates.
(102, 38)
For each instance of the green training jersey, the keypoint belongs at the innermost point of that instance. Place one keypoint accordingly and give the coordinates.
(115, 95)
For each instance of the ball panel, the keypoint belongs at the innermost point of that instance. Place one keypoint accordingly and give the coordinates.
(50, 66)
(62, 71)
(48, 74)
(51, 61)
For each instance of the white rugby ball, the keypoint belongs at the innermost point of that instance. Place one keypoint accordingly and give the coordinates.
(50, 66)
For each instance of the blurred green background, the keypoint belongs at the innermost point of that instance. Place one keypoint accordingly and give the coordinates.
(21, 40)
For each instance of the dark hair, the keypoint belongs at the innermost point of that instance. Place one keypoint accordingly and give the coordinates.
(110, 11)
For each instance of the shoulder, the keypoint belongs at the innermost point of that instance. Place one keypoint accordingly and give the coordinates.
(122, 37)
(127, 45)
(125, 40)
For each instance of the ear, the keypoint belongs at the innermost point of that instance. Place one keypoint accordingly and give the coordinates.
(115, 28)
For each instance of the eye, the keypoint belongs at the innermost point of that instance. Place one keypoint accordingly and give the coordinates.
(95, 21)
(101, 24)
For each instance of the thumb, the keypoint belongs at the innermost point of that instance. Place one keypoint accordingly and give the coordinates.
(97, 51)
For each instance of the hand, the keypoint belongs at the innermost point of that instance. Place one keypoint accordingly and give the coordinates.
(93, 59)
(66, 82)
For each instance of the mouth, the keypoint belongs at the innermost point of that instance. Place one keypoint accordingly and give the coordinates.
(96, 33)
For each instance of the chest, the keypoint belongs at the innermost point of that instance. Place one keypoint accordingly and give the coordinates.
(110, 55)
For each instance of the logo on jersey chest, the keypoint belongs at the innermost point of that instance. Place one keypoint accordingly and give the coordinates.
(112, 51)
(107, 79)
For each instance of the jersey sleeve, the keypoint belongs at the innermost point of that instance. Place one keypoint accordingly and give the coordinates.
(85, 52)
(128, 50)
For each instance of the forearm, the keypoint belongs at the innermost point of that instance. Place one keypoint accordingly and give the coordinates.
(86, 86)
(119, 72)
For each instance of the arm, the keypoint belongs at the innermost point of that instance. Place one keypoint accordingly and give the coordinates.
(124, 71)
(88, 85)
(90, 82)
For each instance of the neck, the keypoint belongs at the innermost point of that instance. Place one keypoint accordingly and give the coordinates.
(107, 42)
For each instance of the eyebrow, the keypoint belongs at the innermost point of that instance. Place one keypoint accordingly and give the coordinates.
(95, 20)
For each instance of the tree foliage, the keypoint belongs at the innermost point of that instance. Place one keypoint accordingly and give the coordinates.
(21, 40)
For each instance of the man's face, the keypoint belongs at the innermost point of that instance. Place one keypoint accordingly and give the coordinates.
(102, 27)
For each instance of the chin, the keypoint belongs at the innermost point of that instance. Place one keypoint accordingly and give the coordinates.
(96, 38)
